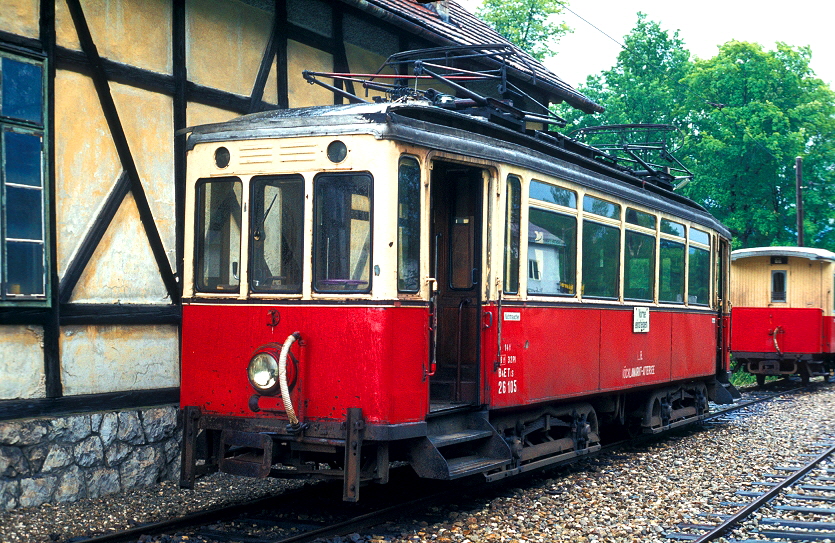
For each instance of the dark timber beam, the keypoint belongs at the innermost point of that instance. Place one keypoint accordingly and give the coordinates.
(87, 403)
(51, 328)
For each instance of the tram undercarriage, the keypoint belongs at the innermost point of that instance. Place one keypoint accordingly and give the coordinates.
(458, 443)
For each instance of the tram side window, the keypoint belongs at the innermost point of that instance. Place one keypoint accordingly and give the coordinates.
(601, 260)
(778, 286)
(639, 266)
(277, 228)
(512, 235)
(408, 225)
(342, 233)
(672, 272)
(552, 253)
(218, 235)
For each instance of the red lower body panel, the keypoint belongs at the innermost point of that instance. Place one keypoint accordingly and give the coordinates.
(552, 353)
(779, 330)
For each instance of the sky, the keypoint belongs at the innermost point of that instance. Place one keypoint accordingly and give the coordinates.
(703, 26)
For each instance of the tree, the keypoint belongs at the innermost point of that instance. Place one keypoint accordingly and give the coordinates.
(645, 84)
(746, 114)
(753, 111)
(526, 23)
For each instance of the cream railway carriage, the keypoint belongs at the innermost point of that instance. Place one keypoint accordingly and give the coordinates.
(405, 282)
(782, 316)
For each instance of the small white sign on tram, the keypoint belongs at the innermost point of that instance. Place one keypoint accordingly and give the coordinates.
(640, 320)
(512, 316)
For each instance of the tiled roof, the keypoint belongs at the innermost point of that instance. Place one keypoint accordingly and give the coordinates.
(463, 28)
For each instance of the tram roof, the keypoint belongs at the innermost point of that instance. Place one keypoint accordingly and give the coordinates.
(810, 253)
(421, 123)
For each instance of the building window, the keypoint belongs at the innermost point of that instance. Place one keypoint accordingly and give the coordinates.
(778, 286)
(23, 206)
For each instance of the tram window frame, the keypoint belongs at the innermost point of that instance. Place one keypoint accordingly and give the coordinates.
(666, 273)
(779, 296)
(631, 261)
(601, 207)
(512, 236)
(567, 267)
(408, 227)
(233, 268)
(320, 261)
(603, 257)
(552, 193)
(24, 194)
(290, 234)
(699, 244)
(673, 228)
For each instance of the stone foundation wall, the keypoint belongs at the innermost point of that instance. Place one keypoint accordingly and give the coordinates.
(86, 455)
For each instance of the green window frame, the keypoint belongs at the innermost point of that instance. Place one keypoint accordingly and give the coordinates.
(24, 204)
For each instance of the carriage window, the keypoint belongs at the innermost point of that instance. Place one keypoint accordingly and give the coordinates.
(698, 279)
(601, 207)
(639, 218)
(550, 193)
(671, 227)
(778, 286)
(512, 235)
(277, 227)
(699, 236)
(342, 233)
(639, 266)
(671, 279)
(601, 260)
(408, 225)
(219, 235)
(552, 253)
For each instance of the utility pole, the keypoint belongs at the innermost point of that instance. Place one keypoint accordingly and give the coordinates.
(798, 168)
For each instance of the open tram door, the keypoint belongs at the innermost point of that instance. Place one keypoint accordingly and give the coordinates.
(456, 261)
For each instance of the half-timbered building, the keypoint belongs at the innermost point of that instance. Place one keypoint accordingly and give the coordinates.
(95, 96)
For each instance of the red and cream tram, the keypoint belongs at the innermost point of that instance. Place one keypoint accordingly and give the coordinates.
(403, 281)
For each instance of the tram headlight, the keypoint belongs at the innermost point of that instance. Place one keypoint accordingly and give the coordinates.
(263, 372)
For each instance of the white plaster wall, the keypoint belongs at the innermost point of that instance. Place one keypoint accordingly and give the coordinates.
(21, 362)
(99, 359)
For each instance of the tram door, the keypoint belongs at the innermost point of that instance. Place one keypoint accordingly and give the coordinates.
(456, 203)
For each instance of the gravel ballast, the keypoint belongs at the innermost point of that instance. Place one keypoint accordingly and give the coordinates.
(629, 496)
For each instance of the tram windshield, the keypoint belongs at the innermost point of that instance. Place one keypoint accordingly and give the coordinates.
(277, 229)
(219, 235)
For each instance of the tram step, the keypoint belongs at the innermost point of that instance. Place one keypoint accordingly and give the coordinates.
(459, 437)
(471, 465)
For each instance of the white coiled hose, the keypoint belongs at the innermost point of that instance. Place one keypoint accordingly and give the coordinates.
(282, 377)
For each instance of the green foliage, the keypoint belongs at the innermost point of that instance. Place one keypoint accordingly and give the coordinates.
(526, 23)
(747, 113)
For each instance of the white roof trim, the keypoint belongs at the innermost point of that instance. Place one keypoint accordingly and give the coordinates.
(810, 253)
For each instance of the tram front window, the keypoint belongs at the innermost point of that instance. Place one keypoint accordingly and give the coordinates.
(276, 232)
(342, 233)
(218, 235)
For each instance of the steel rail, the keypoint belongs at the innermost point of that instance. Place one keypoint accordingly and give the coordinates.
(722, 529)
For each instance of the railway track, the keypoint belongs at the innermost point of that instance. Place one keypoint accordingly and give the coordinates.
(314, 511)
(797, 503)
